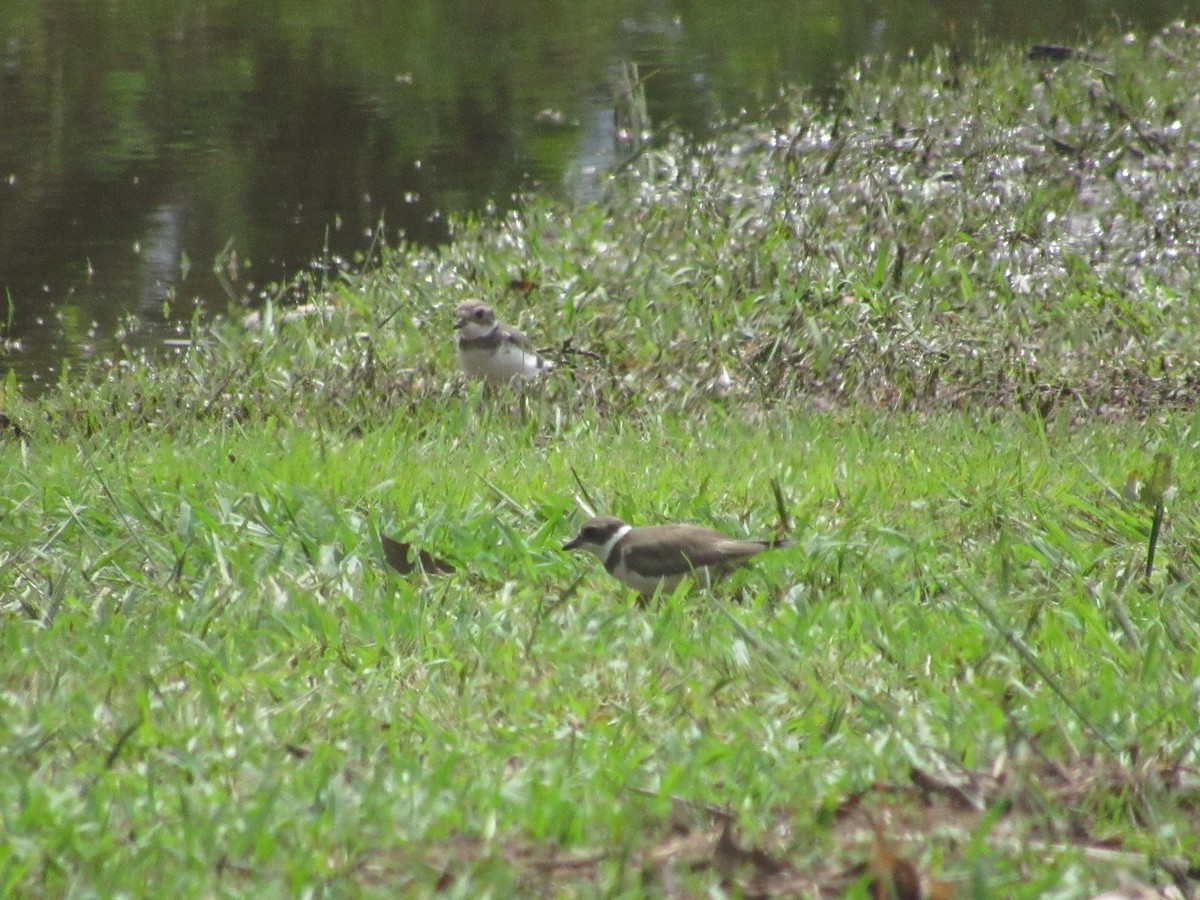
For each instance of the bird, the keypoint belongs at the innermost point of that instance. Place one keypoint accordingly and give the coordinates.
(658, 557)
(492, 351)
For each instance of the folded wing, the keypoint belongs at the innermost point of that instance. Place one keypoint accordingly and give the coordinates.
(663, 551)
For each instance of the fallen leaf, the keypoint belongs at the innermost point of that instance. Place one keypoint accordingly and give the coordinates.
(522, 285)
(931, 784)
(399, 556)
(896, 878)
(728, 854)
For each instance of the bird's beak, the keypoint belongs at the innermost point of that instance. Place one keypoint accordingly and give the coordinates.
(459, 323)
(571, 544)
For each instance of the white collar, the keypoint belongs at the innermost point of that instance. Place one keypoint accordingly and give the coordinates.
(611, 544)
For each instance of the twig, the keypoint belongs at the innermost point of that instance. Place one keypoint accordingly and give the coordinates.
(591, 504)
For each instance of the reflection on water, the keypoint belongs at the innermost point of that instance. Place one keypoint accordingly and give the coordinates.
(144, 142)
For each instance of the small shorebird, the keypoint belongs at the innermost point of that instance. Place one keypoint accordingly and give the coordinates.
(490, 350)
(660, 556)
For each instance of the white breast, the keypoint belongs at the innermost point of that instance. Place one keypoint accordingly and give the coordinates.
(506, 362)
(644, 585)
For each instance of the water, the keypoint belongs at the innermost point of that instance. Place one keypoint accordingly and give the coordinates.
(166, 158)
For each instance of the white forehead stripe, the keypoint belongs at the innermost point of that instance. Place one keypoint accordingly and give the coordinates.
(607, 549)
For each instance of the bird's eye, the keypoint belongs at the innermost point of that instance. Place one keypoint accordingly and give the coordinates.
(479, 314)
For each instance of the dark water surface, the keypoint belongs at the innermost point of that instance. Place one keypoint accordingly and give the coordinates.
(159, 157)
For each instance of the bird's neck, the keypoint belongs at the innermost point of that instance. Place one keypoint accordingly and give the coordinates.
(608, 552)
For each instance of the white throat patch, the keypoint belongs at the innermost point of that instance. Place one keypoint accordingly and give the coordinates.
(474, 330)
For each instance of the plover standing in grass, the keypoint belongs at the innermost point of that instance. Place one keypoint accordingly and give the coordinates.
(660, 556)
(490, 350)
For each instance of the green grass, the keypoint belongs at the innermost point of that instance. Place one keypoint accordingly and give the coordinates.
(211, 683)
